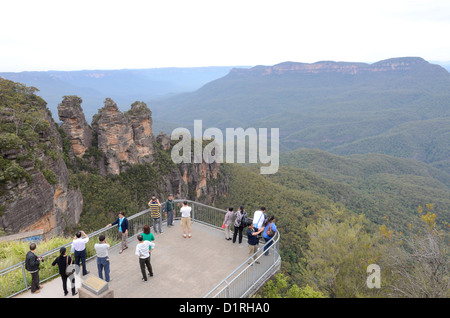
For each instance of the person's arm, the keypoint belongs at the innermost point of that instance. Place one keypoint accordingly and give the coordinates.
(114, 223)
(55, 262)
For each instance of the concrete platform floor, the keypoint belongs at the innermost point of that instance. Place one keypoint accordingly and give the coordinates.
(182, 267)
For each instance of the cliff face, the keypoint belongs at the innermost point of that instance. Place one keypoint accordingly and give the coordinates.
(33, 177)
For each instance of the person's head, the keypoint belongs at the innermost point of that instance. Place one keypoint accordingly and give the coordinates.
(121, 214)
(269, 220)
(140, 238)
(241, 208)
(184, 202)
(62, 251)
(170, 196)
(32, 247)
(250, 225)
(101, 237)
(78, 235)
(263, 208)
(230, 209)
(153, 198)
(146, 229)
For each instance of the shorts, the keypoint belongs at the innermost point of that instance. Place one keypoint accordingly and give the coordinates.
(186, 222)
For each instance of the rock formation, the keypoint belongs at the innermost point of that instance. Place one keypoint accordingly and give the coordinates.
(124, 139)
(75, 125)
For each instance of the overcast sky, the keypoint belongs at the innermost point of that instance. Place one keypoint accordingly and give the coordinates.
(98, 34)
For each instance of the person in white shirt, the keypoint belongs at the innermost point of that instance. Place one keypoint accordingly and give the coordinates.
(101, 249)
(186, 218)
(143, 251)
(259, 218)
(79, 249)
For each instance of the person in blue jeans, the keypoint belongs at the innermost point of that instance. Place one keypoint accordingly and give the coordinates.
(269, 231)
(101, 250)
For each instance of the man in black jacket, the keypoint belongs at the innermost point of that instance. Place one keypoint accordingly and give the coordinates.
(32, 265)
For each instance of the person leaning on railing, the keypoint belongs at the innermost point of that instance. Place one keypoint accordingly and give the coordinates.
(122, 222)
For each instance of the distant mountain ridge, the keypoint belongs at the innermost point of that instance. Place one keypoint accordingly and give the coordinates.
(340, 107)
(389, 65)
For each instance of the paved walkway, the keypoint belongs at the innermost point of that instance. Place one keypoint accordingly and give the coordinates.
(182, 267)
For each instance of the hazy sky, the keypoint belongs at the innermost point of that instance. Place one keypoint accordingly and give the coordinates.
(98, 34)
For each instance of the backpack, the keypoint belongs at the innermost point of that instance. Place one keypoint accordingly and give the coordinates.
(244, 220)
(238, 220)
(270, 231)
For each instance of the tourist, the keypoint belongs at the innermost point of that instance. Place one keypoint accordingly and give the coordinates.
(186, 218)
(239, 223)
(79, 250)
(122, 222)
(155, 214)
(32, 263)
(101, 250)
(143, 249)
(252, 239)
(269, 231)
(63, 261)
(227, 222)
(170, 210)
(259, 217)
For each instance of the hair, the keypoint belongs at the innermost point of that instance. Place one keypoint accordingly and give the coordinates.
(153, 198)
(78, 234)
(170, 195)
(230, 209)
(263, 208)
(270, 219)
(146, 229)
(185, 202)
(32, 246)
(140, 238)
(122, 213)
(241, 208)
(101, 238)
(62, 251)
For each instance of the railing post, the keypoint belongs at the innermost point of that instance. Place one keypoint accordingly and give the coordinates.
(24, 276)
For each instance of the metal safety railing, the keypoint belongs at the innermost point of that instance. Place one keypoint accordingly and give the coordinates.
(240, 283)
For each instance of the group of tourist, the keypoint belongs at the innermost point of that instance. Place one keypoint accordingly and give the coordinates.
(260, 224)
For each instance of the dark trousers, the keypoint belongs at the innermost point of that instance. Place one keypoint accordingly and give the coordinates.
(34, 281)
(236, 230)
(72, 281)
(81, 255)
(145, 262)
(267, 245)
(169, 217)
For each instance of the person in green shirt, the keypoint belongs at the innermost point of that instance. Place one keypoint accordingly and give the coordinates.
(170, 209)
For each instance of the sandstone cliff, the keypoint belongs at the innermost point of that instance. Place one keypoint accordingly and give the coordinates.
(33, 175)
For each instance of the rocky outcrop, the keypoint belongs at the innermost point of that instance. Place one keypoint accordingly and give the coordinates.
(124, 139)
(34, 183)
(75, 125)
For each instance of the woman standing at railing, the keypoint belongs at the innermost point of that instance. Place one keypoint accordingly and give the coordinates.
(227, 222)
(63, 261)
(269, 231)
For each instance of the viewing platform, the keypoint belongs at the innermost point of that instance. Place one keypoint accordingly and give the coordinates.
(205, 265)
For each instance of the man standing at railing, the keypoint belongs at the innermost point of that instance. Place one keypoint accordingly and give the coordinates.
(170, 210)
(32, 263)
(155, 214)
(79, 249)
(186, 218)
(122, 222)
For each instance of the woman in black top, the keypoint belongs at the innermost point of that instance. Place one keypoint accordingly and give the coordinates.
(62, 261)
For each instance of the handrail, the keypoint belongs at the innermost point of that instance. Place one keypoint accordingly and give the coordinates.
(15, 279)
